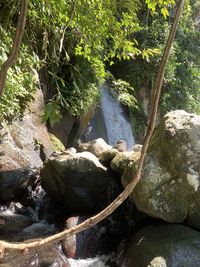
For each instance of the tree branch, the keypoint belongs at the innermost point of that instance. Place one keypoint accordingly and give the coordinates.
(16, 45)
(67, 25)
(129, 188)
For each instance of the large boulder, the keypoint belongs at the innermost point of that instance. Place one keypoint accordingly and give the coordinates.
(163, 246)
(24, 145)
(169, 187)
(78, 181)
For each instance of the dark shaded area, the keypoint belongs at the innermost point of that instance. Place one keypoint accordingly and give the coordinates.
(14, 184)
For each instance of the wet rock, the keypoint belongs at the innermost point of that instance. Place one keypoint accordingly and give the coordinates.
(169, 188)
(96, 147)
(100, 239)
(35, 230)
(163, 245)
(79, 182)
(44, 256)
(69, 244)
(14, 183)
(11, 224)
(24, 145)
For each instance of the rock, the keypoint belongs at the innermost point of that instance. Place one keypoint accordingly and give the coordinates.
(136, 148)
(14, 183)
(24, 144)
(57, 144)
(169, 188)
(121, 160)
(11, 224)
(163, 246)
(120, 146)
(40, 257)
(69, 244)
(69, 151)
(70, 128)
(108, 155)
(99, 239)
(130, 168)
(96, 147)
(78, 181)
(19, 228)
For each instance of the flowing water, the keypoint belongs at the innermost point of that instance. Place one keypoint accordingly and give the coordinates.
(110, 121)
(90, 262)
(37, 227)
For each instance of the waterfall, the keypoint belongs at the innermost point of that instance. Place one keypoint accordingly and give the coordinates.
(117, 124)
(110, 121)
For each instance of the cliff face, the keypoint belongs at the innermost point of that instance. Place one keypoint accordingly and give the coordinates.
(24, 145)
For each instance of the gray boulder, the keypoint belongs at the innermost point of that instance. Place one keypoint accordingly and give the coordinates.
(24, 145)
(96, 147)
(78, 181)
(169, 188)
(163, 246)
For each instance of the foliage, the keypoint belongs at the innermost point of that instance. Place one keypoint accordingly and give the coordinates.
(20, 81)
(88, 33)
(163, 5)
(74, 40)
(124, 91)
(181, 88)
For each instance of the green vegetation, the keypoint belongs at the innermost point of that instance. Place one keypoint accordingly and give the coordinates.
(181, 88)
(20, 81)
(73, 43)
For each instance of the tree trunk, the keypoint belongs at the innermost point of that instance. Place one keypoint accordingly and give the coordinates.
(16, 44)
(129, 188)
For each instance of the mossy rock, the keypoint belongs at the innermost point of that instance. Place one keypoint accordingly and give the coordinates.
(56, 143)
(108, 155)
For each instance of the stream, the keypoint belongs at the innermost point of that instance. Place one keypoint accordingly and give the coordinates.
(39, 219)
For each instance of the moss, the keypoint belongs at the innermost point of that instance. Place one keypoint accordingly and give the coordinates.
(57, 144)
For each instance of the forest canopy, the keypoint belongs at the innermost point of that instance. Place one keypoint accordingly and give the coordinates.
(72, 44)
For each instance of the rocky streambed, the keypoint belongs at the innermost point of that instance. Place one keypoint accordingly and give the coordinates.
(158, 226)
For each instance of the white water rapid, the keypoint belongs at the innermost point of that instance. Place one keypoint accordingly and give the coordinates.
(117, 124)
(90, 262)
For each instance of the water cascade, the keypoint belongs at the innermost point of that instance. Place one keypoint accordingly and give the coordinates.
(110, 121)
(117, 124)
